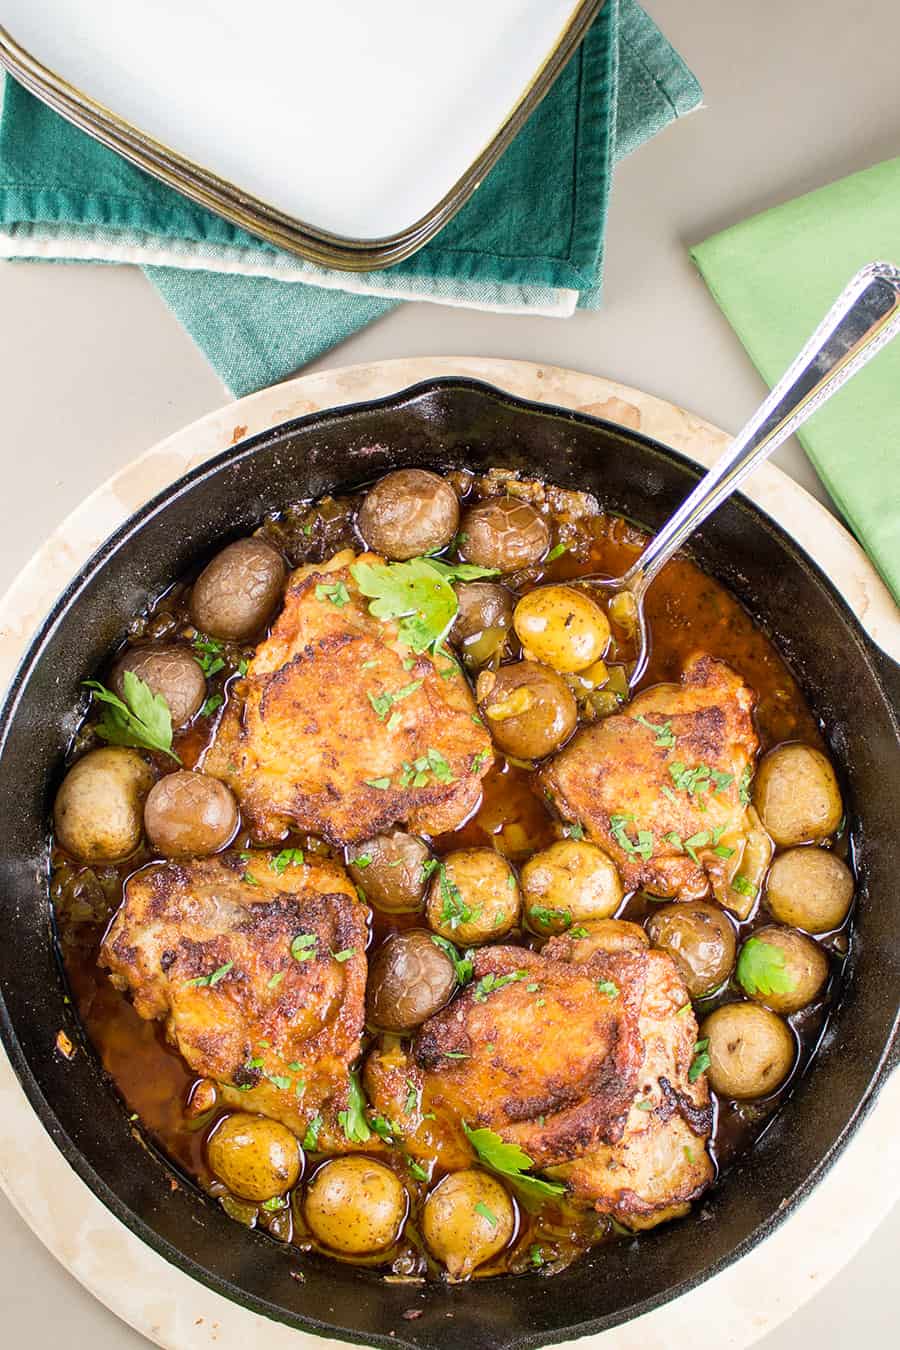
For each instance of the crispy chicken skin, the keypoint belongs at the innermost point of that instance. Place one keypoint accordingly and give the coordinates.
(301, 743)
(593, 1086)
(619, 777)
(235, 918)
(659, 1164)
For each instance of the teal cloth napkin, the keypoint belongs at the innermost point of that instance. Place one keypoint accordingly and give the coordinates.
(529, 239)
(775, 276)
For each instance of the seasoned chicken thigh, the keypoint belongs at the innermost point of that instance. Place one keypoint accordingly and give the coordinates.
(339, 729)
(579, 1055)
(662, 786)
(259, 974)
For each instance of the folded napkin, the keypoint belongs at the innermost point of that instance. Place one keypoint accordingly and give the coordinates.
(529, 240)
(775, 276)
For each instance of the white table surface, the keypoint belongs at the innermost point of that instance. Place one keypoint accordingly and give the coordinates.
(93, 370)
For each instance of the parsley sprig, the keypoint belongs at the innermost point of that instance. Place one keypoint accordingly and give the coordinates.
(761, 969)
(665, 737)
(142, 719)
(642, 847)
(510, 1161)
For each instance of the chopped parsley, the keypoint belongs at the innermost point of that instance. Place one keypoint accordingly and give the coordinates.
(303, 947)
(455, 910)
(243, 666)
(556, 552)
(288, 857)
(337, 594)
(536, 1255)
(462, 965)
(643, 846)
(665, 737)
(249, 879)
(311, 1138)
(723, 851)
(353, 1120)
(761, 969)
(382, 703)
(385, 1129)
(575, 831)
(482, 1209)
(416, 1169)
(276, 979)
(549, 918)
(698, 780)
(744, 785)
(608, 988)
(510, 1161)
(454, 1054)
(382, 784)
(412, 1097)
(480, 757)
(276, 1203)
(209, 655)
(459, 571)
(142, 719)
(362, 860)
(743, 885)
(214, 701)
(279, 1080)
(344, 955)
(700, 1063)
(491, 984)
(209, 981)
(644, 1106)
(416, 774)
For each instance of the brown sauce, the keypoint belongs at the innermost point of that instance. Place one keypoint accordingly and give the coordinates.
(687, 612)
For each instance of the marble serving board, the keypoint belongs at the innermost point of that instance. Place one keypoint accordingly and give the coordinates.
(730, 1311)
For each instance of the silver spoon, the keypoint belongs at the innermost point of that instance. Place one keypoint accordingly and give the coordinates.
(862, 320)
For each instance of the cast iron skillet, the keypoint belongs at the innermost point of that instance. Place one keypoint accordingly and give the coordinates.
(851, 685)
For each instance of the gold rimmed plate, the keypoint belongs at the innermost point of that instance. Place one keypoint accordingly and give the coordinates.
(342, 132)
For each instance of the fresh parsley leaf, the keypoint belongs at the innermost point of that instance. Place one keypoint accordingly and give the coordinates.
(311, 1138)
(439, 766)
(209, 655)
(761, 969)
(459, 571)
(491, 983)
(743, 885)
(243, 666)
(353, 1120)
(575, 831)
(276, 979)
(214, 701)
(461, 964)
(416, 1169)
(510, 1161)
(382, 703)
(665, 737)
(744, 785)
(608, 988)
(208, 981)
(455, 910)
(428, 867)
(344, 955)
(700, 1063)
(415, 594)
(303, 947)
(412, 1097)
(249, 880)
(482, 1209)
(698, 840)
(723, 851)
(382, 784)
(279, 1080)
(385, 1129)
(337, 594)
(288, 857)
(142, 719)
(361, 860)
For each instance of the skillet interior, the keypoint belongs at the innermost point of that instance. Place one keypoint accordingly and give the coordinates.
(445, 424)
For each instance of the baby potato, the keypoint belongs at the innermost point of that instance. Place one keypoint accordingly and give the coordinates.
(809, 888)
(473, 897)
(390, 869)
(562, 628)
(190, 815)
(407, 513)
(567, 883)
(529, 709)
(410, 978)
(503, 533)
(355, 1205)
(237, 593)
(797, 796)
(168, 670)
(751, 1051)
(98, 810)
(607, 935)
(256, 1158)
(781, 968)
(700, 940)
(467, 1219)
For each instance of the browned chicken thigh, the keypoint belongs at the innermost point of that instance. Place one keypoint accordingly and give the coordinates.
(580, 1056)
(258, 969)
(339, 729)
(662, 786)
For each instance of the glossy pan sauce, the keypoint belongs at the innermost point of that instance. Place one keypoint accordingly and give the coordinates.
(687, 611)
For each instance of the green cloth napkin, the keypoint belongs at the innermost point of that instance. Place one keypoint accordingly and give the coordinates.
(530, 237)
(774, 277)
